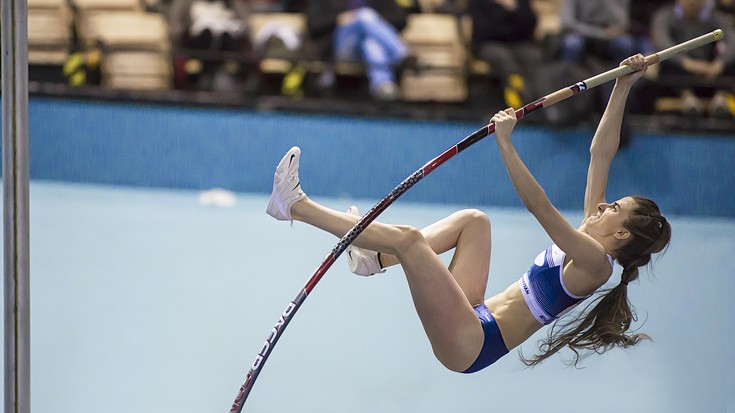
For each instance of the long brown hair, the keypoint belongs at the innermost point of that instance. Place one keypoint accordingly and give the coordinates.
(605, 322)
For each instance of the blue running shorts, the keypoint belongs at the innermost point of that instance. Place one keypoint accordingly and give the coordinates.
(494, 347)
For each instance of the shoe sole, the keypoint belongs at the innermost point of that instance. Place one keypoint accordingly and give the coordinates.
(294, 154)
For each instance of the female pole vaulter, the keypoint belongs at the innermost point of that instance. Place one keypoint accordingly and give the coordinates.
(469, 332)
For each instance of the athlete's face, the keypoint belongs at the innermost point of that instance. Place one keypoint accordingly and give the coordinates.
(610, 219)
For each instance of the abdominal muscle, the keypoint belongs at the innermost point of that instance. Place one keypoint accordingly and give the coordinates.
(514, 318)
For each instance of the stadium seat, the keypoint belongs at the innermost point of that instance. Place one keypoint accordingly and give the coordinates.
(436, 41)
(135, 45)
(49, 32)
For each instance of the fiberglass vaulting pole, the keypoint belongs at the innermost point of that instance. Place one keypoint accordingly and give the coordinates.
(15, 172)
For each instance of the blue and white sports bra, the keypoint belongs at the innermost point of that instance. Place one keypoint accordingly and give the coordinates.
(543, 286)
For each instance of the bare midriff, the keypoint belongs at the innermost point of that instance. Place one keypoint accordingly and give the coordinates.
(513, 316)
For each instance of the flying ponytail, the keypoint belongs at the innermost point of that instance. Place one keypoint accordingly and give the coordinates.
(605, 322)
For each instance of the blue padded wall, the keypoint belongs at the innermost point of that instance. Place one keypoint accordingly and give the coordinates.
(200, 148)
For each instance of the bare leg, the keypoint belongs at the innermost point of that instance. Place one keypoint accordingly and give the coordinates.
(339, 223)
(450, 322)
(469, 232)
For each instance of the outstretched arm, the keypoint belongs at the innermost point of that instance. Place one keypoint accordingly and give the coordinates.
(607, 137)
(583, 249)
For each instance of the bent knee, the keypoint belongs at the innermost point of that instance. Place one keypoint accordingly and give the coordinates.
(475, 218)
(408, 237)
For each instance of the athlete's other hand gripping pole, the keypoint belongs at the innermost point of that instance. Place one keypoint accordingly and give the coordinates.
(371, 215)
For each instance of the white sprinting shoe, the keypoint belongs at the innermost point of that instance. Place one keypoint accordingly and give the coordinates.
(361, 261)
(286, 186)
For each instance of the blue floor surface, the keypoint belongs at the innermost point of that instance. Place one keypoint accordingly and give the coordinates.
(146, 301)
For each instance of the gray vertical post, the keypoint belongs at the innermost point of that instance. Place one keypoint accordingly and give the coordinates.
(15, 205)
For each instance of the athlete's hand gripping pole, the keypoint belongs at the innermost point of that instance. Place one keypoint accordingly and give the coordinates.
(619, 71)
(371, 215)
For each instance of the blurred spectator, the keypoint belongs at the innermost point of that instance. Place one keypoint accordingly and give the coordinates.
(265, 6)
(728, 7)
(708, 69)
(455, 7)
(209, 26)
(640, 24)
(280, 38)
(596, 27)
(410, 6)
(502, 36)
(276, 6)
(362, 31)
(598, 34)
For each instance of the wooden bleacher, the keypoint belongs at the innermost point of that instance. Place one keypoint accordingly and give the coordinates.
(135, 44)
(49, 32)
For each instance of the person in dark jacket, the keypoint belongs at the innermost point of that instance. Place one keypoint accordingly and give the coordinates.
(502, 36)
(209, 26)
(710, 68)
(361, 30)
